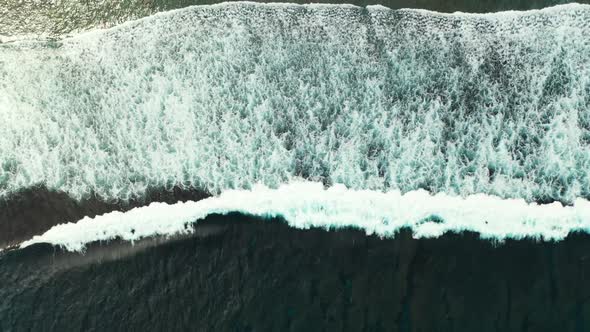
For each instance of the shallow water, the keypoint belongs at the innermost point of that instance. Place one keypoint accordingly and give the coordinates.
(227, 96)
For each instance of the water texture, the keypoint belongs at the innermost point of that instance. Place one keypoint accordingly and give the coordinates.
(245, 274)
(230, 95)
(305, 205)
(53, 18)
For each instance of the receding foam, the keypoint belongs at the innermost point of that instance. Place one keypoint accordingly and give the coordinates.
(225, 96)
(308, 204)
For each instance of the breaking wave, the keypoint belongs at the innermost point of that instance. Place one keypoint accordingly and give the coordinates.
(307, 204)
(228, 96)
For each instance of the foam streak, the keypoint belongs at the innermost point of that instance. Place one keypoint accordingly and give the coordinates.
(308, 204)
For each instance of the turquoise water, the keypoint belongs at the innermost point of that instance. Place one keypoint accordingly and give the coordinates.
(390, 116)
(227, 96)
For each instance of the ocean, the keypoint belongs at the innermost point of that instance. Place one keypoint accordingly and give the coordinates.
(178, 165)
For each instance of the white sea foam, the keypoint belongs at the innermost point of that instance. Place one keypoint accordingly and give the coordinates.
(70, 17)
(307, 204)
(224, 96)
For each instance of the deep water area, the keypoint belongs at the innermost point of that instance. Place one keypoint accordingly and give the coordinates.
(237, 273)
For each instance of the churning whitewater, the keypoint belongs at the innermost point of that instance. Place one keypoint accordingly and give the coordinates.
(233, 95)
(308, 204)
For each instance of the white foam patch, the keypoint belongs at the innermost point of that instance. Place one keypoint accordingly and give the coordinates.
(90, 16)
(225, 96)
(307, 204)
(501, 14)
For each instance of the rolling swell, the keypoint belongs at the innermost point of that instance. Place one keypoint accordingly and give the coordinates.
(245, 274)
(368, 97)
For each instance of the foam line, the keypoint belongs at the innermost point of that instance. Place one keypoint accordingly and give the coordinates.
(307, 204)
